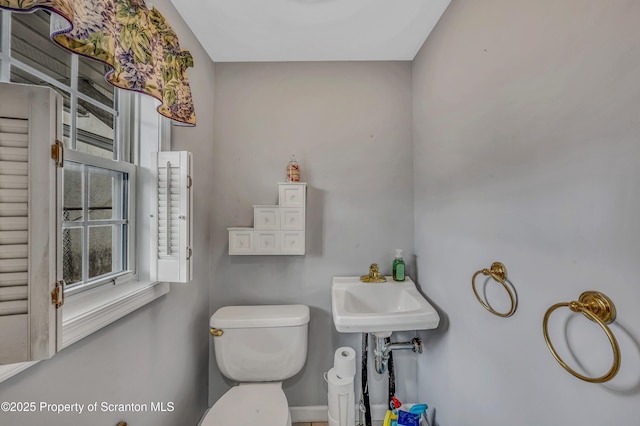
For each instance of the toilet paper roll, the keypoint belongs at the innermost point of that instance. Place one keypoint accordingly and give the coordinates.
(341, 398)
(344, 362)
(338, 385)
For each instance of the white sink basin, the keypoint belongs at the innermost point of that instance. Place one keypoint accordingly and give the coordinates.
(379, 308)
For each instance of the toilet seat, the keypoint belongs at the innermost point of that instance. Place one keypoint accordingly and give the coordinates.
(263, 404)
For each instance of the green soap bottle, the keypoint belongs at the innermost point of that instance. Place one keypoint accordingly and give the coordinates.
(398, 266)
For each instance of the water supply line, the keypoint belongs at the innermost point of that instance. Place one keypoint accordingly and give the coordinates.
(383, 350)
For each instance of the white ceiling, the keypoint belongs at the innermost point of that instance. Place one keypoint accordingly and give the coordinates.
(311, 30)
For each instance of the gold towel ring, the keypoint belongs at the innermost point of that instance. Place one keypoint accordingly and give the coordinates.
(598, 308)
(499, 273)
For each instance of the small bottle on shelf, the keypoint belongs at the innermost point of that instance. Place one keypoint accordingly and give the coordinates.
(293, 170)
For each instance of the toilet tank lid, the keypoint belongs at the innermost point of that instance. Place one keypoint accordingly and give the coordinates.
(260, 316)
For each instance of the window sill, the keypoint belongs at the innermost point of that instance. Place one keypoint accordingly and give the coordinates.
(89, 311)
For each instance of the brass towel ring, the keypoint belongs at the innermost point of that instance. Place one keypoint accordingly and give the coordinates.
(499, 273)
(598, 308)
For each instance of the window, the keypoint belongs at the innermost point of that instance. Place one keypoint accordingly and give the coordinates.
(95, 227)
(97, 178)
(104, 222)
(90, 102)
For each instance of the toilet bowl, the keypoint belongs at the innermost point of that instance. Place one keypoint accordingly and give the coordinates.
(263, 404)
(258, 346)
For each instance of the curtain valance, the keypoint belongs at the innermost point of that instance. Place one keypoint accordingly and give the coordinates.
(136, 42)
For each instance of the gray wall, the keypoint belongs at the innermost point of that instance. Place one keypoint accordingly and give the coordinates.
(160, 352)
(349, 125)
(526, 151)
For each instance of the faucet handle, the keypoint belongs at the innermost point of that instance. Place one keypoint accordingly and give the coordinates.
(373, 270)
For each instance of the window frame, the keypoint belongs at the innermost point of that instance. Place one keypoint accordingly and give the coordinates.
(128, 274)
(85, 312)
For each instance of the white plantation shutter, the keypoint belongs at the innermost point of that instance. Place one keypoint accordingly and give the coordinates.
(13, 216)
(171, 230)
(29, 321)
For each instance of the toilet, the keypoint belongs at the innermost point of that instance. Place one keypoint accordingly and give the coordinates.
(259, 347)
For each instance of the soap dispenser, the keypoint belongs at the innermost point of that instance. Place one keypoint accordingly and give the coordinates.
(398, 266)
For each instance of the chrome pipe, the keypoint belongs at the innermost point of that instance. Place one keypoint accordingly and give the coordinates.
(382, 351)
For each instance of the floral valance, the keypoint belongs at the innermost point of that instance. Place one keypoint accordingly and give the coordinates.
(136, 42)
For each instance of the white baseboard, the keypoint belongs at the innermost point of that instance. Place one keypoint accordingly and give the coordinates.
(309, 413)
(319, 413)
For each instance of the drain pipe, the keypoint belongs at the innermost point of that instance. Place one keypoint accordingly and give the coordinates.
(383, 350)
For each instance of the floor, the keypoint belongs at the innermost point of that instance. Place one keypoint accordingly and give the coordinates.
(311, 424)
(327, 424)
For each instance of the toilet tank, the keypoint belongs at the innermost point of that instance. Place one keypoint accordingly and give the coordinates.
(261, 343)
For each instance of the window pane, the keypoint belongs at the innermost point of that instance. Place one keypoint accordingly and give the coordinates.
(101, 186)
(100, 250)
(72, 255)
(73, 193)
(91, 81)
(92, 249)
(95, 125)
(95, 130)
(30, 43)
(21, 76)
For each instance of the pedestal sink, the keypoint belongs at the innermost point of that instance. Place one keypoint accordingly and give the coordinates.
(379, 308)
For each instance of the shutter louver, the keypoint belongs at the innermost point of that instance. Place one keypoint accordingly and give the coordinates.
(171, 230)
(29, 324)
(168, 210)
(14, 194)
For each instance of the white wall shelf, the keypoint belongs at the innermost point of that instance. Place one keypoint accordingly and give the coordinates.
(277, 230)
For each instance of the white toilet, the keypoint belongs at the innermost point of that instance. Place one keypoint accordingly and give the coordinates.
(260, 346)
